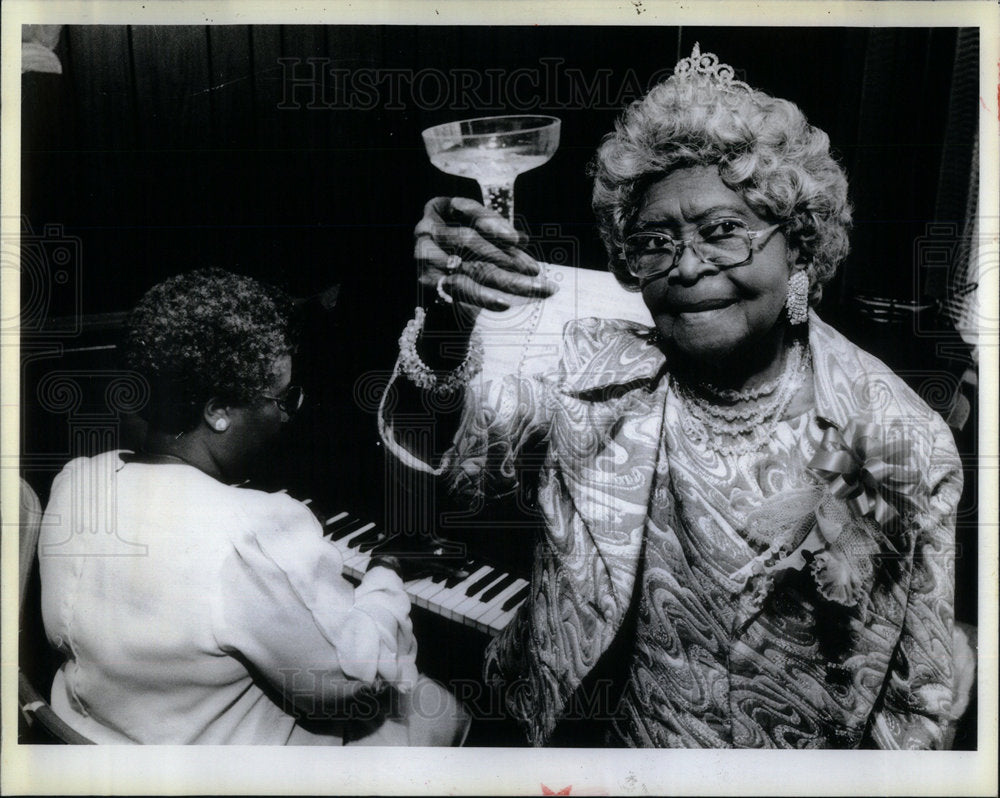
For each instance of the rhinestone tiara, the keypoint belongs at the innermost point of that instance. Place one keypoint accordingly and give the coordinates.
(702, 67)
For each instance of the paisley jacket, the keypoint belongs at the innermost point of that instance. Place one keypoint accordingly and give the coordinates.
(599, 418)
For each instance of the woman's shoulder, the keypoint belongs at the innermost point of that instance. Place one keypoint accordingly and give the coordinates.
(854, 385)
(181, 492)
(599, 352)
(273, 512)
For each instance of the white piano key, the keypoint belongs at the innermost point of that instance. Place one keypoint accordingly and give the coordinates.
(452, 597)
(436, 597)
(476, 614)
(497, 603)
(471, 603)
(501, 623)
(423, 589)
(352, 557)
(445, 601)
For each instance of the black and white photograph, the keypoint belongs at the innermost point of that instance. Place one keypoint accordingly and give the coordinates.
(517, 385)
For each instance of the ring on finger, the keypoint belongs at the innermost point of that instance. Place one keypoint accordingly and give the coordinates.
(440, 288)
(453, 263)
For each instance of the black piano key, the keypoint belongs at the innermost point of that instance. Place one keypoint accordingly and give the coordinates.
(516, 599)
(371, 536)
(503, 584)
(389, 544)
(460, 574)
(343, 527)
(475, 587)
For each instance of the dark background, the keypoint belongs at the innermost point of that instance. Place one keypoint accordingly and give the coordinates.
(161, 149)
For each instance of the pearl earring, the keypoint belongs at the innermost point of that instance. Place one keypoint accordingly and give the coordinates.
(221, 424)
(797, 299)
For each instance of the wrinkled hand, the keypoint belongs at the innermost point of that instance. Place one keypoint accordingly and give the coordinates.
(489, 268)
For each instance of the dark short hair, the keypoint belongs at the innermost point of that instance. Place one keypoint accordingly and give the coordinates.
(764, 147)
(204, 334)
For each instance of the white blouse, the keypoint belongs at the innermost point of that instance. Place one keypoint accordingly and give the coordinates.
(190, 611)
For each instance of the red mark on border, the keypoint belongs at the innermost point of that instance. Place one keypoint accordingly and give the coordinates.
(982, 102)
(563, 791)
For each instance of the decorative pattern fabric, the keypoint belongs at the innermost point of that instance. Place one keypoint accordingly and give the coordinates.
(681, 690)
(816, 672)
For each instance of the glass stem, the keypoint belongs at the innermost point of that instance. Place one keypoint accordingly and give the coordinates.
(500, 197)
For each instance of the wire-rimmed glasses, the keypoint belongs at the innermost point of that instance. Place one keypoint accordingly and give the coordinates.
(290, 401)
(722, 242)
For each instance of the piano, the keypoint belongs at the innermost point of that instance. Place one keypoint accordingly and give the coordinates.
(476, 595)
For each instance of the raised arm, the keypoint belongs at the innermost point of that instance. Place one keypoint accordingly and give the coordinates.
(468, 258)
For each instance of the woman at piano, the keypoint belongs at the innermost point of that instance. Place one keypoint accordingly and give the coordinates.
(755, 516)
(192, 610)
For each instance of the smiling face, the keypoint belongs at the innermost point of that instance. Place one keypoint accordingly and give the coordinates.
(713, 315)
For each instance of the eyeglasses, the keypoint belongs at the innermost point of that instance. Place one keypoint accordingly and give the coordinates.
(722, 242)
(290, 401)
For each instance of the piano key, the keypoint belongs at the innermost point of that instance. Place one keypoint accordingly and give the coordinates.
(451, 597)
(368, 541)
(481, 584)
(335, 518)
(352, 557)
(473, 603)
(466, 612)
(423, 589)
(477, 574)
(356, 532)
(497, 587)
(505, 619)
(460, 575)
(477, 595)
(489, 610)
(340, 525)
(517, 598)
(367, 532)
(473, 593)
(489, 618)
(474, 614)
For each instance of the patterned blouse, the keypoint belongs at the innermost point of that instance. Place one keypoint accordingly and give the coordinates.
(680, 692)
(735, 647)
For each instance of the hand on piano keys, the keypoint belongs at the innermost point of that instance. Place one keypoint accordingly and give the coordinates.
(470, 592)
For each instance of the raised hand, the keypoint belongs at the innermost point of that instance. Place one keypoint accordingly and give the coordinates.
(472, 255)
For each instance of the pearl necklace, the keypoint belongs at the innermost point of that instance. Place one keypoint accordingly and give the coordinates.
(738, 422)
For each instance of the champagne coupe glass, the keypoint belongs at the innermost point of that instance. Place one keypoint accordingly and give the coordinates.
(493, 150)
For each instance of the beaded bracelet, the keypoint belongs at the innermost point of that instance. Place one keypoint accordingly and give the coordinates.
(421, 375)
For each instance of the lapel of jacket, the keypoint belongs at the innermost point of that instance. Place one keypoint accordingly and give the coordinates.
(848, 385)
(604, 442)
(612, 416)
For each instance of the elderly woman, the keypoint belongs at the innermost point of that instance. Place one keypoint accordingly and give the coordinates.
(190, 610)
(765, 511)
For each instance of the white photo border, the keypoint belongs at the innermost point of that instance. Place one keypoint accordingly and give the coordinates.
(178, 770)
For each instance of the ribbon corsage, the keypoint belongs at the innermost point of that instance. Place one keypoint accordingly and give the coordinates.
(838, 526)
(860, 466)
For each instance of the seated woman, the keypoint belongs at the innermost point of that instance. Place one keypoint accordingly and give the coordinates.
(210, 613)
(764, 512)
